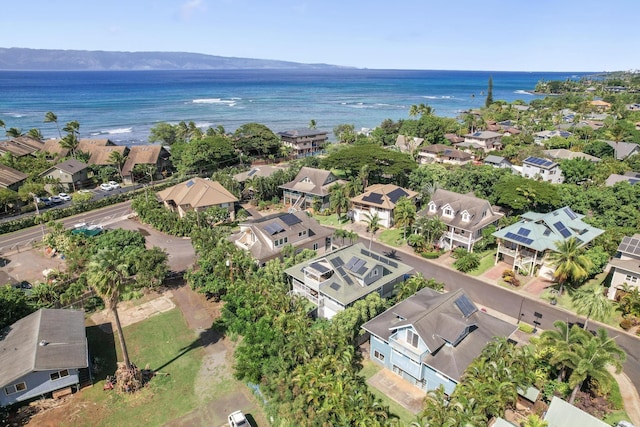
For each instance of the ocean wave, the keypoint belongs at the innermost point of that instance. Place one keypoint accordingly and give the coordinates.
(230, 101)
(438, 97)
(522, 92)
(14, 115)
(113, 131)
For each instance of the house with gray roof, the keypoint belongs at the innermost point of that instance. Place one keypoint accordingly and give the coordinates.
(561, 414)
(564, 154)
(265, 237)
(542, 169)
(497, 162)
(41, 353)
(408, 144)
(629, 176)
(70, 175)
(11, 178)
(336, 280)
(465, 216)
(379, 199)
(624, 149)
(545, 135)
(482, 140)
(625, 265)
(304, 142)
(440, 153)
(310, 183)
(430, 338)
(526, 243)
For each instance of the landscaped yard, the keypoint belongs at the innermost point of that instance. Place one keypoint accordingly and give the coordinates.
(392, 237)
(486, 262)
(369, 369)
(330, 220)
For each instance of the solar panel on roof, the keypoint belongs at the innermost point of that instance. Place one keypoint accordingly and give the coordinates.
(335, 286)
(189, 183)
(273, 228)
(350, 263)
(392, 264)
(252, 171)
(396, 194)
(518, 238)
(562, 229)
(523, 231)
(344, 275)
(319, 267)
(358, 264)
(465, 305)
(373, 198)
(290, 219)
(365, 252)
(546, 232)
(336, 262)
(571, 214)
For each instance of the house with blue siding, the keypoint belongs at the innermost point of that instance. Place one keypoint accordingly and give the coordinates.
(42, 353)
(430, 338)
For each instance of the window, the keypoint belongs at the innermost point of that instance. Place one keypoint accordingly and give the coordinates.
(448, 212)
(630, 278)
(412, 338)
(378, 355)
(14, 388)
(302, 233)
(60, 374)
(375, 272)
(466, 217)
(432, 207)
(315, 246)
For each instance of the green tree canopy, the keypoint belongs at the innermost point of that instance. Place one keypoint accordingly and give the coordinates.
(255, 139)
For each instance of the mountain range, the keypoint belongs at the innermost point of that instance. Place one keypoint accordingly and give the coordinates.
(22, 59)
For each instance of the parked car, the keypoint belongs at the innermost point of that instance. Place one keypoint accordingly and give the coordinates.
(44, 200)
(55, 199)
(105, 186)
(65, 197)
(237, 419)
(114, 184)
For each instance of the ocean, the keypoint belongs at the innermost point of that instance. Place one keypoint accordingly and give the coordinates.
(124, 105)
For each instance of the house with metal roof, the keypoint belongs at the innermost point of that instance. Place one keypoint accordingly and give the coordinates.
(41, 353)
(465, 216)
(625, 265)
(197, 195)
(304, 142)
(264, 237)
(498, 162)
(440, 153)
(430, 338)
(336, 280)
(309, 184)
(379, 199)
(526, 243)
(542, 170)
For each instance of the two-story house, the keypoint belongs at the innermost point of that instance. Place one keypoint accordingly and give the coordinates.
(304, 142)
(465, 216)
(625, 266)
(265, 237)
(430, 338)
(498, 162)
(197, 195)
(153, 156)
(542, 169)
(440, 153)
(336, 280)
(310, 183)
(482, 140)
(379, 199)
(70, 175)
(11, 178)
(541, 137)
(41, 353)
(526, 243)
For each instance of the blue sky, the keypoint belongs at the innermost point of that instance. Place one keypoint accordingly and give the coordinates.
(510, 35)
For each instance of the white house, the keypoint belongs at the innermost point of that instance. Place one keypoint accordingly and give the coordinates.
(542, 169)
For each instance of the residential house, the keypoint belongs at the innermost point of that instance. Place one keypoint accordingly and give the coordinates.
(244, 178)
(408, 144)
(41, 353)
(630, 177)
(264, 237)
(564, 154)
(625, 266)
(511, 131)
(310, 183)
(379, 199)
(624, 149)
(465, 216)
(21, 146)
(336, 280)
(85, 145)
(197, 195)
(70, 174)
(542, 170)
(101, 155)
(453, 138)
(429, 339)
(155, 156)
(600, 105)
(11, 178)
(541, 137)
(440, 153)
(561, 414)
(526, 243)
(304, 142)
(497, 162)
(482, 140)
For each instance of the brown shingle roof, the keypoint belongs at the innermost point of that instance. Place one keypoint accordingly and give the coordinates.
(197, 193)
(312, 181)
(9, 176)
(21, 146)
(141, 155)
(100, 155)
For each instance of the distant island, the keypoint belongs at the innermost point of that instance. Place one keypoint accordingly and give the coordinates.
(21, 59)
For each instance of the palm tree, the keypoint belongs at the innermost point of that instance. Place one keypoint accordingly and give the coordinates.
(117, 158)
(108, 273)
(2, 124)
(421, 110)
(593, 358)
(35, 133)
(70, 141)
(572, 266)
(617, 133)
(337, 199)
(534, 420)
(50, 117)
(373, 225)
(404, 215)
(312, 124)
(561, 343)
(592, 302)
(14, 132)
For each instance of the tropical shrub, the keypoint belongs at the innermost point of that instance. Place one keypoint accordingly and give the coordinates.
(469, 261)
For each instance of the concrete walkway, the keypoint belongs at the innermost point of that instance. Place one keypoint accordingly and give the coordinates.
(630, 396)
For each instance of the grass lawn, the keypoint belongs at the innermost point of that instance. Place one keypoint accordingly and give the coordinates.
(331, 220)
(165, 344)
(486, 262)
(392, 237)
(369, 369)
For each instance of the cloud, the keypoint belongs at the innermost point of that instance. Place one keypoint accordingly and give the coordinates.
(190, 7)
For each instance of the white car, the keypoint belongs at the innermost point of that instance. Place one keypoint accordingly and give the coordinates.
(114, 184)
(237, 419)
(55, 199)
(65, 197)
(105, 186)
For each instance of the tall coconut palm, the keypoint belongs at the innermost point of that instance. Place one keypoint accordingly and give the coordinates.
(373, 225)
(337, 199)
(50, 117)
(107, 273)
(117, 158)
(312, 124)
(561, 343)
(404, 215)
(14, 132)
(35, 133)
(572, 266)
(592, 302)
(71, 141)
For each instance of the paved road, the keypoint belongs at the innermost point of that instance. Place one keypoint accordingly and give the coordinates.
(510, 303)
